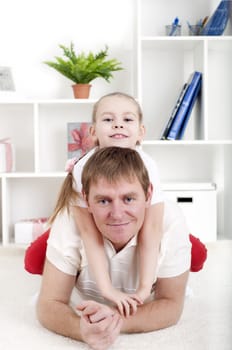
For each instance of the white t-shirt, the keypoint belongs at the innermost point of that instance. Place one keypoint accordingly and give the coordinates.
(150, 165)
(65, 250)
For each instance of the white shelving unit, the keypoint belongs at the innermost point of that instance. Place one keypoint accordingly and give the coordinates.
(165, 63)
(159, 68)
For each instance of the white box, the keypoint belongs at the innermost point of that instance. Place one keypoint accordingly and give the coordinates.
(199, 205)
(26, 231)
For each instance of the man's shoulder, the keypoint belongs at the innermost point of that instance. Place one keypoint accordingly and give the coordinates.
(174, 221)
(172, 211)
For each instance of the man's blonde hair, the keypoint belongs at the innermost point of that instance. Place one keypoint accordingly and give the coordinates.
(113, 164)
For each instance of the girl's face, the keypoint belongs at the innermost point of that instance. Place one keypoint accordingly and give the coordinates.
(117, 123)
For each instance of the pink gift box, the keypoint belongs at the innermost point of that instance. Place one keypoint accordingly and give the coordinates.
(7, 159)
(28, 230)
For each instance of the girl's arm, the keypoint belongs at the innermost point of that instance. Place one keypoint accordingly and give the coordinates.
(94, 248)
(148, 248)
(164, 311)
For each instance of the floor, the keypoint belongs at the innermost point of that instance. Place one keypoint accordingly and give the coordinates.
(205, 323)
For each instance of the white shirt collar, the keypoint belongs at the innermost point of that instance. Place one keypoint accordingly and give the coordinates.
(111, 250)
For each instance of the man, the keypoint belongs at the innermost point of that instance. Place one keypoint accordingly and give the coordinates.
(117, 194)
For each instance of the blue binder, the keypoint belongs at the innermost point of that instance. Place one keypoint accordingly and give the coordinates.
(182, 116)
(218, 21)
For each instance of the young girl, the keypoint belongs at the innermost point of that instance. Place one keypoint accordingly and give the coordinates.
(117, 121)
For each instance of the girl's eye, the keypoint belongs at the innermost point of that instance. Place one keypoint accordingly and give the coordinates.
(128, 119)
(107, 119)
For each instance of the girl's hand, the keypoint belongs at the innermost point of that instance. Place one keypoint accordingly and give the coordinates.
(126, 303)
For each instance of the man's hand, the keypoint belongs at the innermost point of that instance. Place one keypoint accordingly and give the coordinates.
(99, 325)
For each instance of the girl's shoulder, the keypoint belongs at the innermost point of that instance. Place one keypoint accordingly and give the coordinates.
(81, 161)
(145, 156)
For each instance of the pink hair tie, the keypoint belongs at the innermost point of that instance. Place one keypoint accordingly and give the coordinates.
(70, 164)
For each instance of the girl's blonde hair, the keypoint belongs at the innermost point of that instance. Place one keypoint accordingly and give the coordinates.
(117, 94)
(66, 197)
(68, 194)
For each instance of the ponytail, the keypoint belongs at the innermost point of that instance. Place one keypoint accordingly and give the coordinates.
(66, 197)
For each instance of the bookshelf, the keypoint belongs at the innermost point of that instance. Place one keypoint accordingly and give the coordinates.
(157, 66)
(164, 66)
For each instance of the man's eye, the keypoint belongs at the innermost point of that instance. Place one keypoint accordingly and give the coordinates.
(103, 201)
(129, 199)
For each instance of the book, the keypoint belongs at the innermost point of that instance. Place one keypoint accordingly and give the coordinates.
(79, 139)
(184, 124)
(174, 111)
(179, 123)
(217, 23)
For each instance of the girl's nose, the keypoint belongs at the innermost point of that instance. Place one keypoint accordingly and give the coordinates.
(116, 126)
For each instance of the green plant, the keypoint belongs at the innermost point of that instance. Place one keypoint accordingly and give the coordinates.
(84, 68)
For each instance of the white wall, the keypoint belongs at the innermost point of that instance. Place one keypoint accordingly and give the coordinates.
(31, 30)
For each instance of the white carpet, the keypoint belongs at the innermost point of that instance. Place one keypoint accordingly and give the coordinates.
(205, 324)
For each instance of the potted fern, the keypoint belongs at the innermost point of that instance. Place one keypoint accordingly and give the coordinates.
(83, 68)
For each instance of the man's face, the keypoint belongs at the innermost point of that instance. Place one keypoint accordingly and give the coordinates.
(118, 209)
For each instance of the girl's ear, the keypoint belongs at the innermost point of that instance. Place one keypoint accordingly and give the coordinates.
(141, 133)
(92, 132)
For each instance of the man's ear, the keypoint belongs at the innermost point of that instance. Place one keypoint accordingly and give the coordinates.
(149, 195)
(86, 201)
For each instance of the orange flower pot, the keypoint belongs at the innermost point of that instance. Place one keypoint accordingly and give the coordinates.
(81, 90)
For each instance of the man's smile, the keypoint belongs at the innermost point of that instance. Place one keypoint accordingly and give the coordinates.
(118, 224)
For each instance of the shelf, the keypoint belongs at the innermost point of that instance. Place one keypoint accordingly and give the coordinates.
(153, 23)
(66, 101)
(186, 142)
(15, 175)
(221, 39)
(21, 101)
(189, 186)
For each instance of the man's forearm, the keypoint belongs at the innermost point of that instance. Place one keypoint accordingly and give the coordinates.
(59, 318)
(152, 316)
(98, 326)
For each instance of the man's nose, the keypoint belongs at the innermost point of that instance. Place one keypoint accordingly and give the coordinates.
(116, 210)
